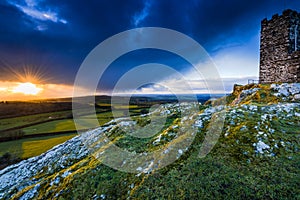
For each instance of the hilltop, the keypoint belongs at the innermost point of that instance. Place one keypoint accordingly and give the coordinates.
(256, 155)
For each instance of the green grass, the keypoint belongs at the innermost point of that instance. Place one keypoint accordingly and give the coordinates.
(57, 126)
(62, 124)
(68, 124)
(51, 127)
(117, 106)
(225, 173)
(26, 148)
(217, 176)
(21, 121)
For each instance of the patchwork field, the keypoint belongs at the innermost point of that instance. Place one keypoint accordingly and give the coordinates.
(26, 148)
(9, 123)
(35, 130)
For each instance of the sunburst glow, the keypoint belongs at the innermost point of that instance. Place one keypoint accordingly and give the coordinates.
(27, 88)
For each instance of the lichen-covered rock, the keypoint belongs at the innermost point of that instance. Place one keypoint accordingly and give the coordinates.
(286, 89)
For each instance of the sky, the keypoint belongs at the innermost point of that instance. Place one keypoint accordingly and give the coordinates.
(45, 42)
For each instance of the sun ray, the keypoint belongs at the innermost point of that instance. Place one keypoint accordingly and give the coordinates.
(29, 80)
(30, 73)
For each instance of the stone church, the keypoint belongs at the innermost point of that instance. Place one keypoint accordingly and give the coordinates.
(280, 48)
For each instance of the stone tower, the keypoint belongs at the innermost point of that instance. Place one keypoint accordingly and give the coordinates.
(280, 48)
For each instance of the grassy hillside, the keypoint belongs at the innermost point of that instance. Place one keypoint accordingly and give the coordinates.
(256, 155)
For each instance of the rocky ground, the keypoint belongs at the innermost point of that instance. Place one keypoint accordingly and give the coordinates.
(243, 146)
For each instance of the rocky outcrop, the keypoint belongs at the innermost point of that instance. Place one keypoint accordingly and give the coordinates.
(290, 91)
(273, 93)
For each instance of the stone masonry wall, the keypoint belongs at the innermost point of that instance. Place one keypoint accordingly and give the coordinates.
(279, 57)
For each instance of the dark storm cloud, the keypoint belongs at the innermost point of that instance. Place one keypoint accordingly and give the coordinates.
(215, 23)
(58, 35)
(26, 39)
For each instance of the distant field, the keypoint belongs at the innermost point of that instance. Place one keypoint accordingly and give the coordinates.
(26, 148)
(68, 124)
(28, 129)
(57, 126)
(51, 127)
(16, 109)
(29, 147)
(118, 106)
(24, 120)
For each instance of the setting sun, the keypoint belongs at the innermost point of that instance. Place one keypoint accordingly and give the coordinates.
(27, 89)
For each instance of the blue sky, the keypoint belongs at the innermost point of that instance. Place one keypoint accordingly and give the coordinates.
(52, 38)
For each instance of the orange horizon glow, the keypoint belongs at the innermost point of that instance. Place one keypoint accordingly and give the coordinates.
(19, 91)
(30, 83)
